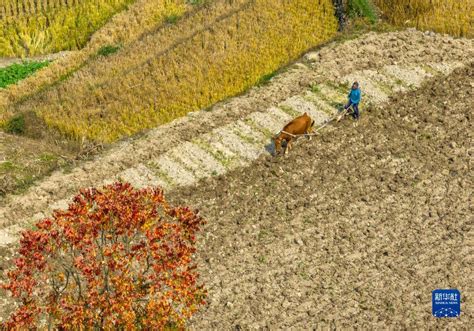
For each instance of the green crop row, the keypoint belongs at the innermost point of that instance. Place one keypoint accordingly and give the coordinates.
(15, 72)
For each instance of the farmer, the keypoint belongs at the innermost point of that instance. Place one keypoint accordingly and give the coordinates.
(354, 100)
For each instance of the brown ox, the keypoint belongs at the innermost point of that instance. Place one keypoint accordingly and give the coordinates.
(299, 126)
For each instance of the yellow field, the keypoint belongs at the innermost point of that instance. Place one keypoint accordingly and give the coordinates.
(30, 28)
(35, 27)
(213, 55)
(123, 28)
(455, 17)
(10, 8)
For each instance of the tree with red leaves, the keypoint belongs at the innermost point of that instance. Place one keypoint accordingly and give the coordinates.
(117, 258)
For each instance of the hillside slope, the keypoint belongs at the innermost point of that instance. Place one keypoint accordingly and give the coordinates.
(235, 133)
(352, 230)
(315, 193)
(213, 54)
(138, 20)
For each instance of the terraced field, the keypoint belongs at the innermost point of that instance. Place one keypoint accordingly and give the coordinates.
(212, 54)
(139, 20)
(210, 156)
(31, 28)
(443, 16)
(351, 231)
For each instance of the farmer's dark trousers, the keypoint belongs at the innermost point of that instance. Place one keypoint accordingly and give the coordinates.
(356, 109)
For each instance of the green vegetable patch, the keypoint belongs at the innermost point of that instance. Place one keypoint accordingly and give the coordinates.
(18, 71)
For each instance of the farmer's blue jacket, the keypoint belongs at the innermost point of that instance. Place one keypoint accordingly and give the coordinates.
(354, 96)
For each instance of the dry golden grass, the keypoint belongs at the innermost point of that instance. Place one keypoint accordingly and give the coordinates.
(34, 27)
(9, 8)
(140, 18)
(215, 53)
(455, 17)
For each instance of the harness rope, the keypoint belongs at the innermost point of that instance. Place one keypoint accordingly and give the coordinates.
(315, 132)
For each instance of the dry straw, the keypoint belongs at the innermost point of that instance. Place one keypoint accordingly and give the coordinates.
(140, 18)
(34, 27)
(216, 53)
(455, 17)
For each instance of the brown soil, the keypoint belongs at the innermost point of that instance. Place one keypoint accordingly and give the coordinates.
(24, 160)
(371, 51)
(354, 229)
